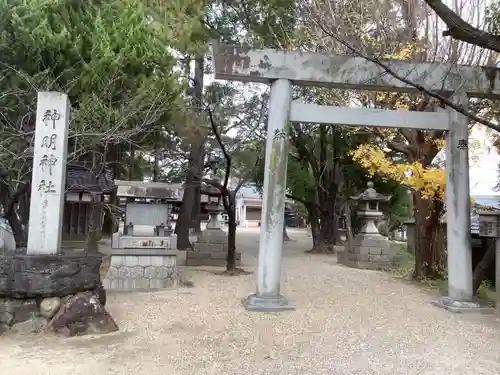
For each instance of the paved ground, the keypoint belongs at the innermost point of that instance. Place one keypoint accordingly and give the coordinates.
(347, 322)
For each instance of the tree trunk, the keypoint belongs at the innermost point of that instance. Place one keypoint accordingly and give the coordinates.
(20, 234)
(327, 233)
(229, 203)
(231, 243)
(429, 260)
(348, 224)
(482, 267)
(184, 218)
(200, 156)
(313, 219)
(195, 213)
(92, 242)
(285, 234)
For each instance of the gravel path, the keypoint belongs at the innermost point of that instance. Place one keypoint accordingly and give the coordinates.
(347, 322)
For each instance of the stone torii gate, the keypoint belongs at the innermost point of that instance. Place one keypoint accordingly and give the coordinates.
(281, 69)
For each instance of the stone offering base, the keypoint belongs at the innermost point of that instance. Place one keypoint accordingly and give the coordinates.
(368, 251)
(53, 293)
(209, 258)
(210, 250)
(141, 269)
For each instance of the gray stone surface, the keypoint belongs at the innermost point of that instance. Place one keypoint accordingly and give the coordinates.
(210, 250)
(141, 269)
(34, 324)
(49, 306)
(368, 251)
(461, 307)
(263, 304)
(215, 258)
(29, 276)
(14, 311)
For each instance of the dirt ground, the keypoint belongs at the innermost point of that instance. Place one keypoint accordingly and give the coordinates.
(347, 322)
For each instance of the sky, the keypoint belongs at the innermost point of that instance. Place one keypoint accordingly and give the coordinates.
(483, 171)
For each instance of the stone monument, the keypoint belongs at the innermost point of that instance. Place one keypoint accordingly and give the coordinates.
(211, 247)
(144, 255)
(369, 249)
(41, 287)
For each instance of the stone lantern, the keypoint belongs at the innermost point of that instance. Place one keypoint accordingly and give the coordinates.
(369, 249)
(214, 208)
(211, 247)
(370, 200)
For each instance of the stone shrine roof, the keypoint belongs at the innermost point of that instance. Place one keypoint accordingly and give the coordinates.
(370, 194)
(80, 179)
(159, 190)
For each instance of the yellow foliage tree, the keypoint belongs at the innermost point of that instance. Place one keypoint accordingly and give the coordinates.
(429, 181)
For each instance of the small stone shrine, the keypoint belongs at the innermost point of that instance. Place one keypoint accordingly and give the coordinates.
(369, 249)
(144, 254)
(211, 247)
(42, 288)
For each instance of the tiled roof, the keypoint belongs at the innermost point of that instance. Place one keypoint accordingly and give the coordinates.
(81, 179)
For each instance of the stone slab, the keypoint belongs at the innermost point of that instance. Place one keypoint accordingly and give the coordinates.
(135, 242)
(46, 275)
(461, 307)
(144, 252)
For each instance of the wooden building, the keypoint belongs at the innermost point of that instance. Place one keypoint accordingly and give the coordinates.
(82, 186)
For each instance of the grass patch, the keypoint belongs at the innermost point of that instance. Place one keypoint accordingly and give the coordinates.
(404, 266)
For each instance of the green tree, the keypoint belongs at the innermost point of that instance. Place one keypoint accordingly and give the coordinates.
(112, 58)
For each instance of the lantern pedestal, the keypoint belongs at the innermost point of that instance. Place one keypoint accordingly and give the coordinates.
(211, 247)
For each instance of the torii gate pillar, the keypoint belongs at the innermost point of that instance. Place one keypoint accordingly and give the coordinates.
(268, 296)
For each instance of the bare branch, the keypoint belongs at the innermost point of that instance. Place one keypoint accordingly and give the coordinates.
(444, 100)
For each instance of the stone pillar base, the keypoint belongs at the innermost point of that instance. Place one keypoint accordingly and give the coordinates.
(53, 293)
(461, 307)
(267, 304)
(141, 269)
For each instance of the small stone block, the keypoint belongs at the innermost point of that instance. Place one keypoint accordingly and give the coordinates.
(112, 272)
(374, 251)
(150, 272)
(156, 284)
(156, 261)
(131, 260)
(136, 272)
(124, 272)
(116, 260)
(144, 260)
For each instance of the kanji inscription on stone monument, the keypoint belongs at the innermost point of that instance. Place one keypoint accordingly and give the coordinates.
(49, 173)
(462, 144)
